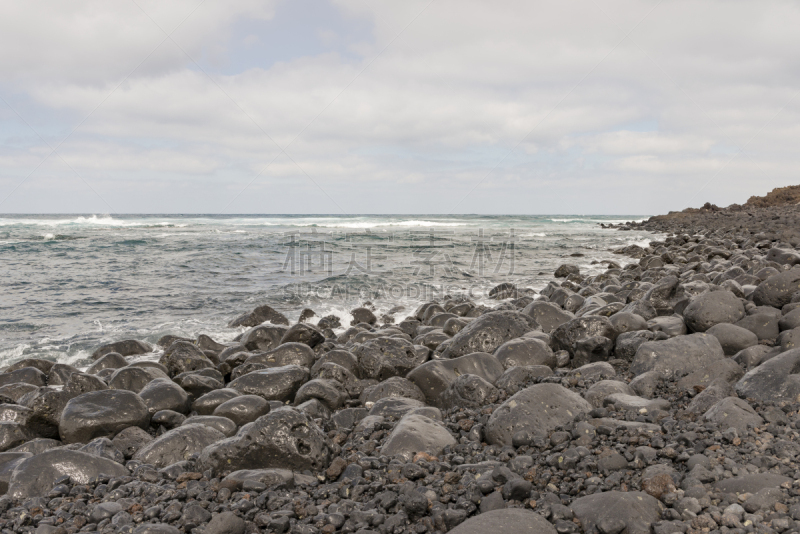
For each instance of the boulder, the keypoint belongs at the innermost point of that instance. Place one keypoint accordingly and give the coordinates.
(468, 391)
(709, 309)
(733, 338)
(127, 347)
(416, 433)
(36, 476)
(263, 338)
(487, 332)
(134, 378)
(548, 315)
(777, 379)
(385, 357)
(278, 383)
(517, 378)
(13, 434)
(243, 409)
(394, 407)
(598, 392)
(628, 343)
(130, 440)
(671, 325)
(222, 424)
(511, 520)
(328, 392)
(26, 375)
(182, 357)
(178, 444)
(363, 315)
(164, 394)
(303, 333)
(433, 377)
(283, 438)
(627, 322)
(393, 387)
(523, 352)
(733, 412)
(677, 356)
(632, 512)
(777, 290)
(764, 326)
(568, 334)
(286, 354)
(592, 349)
(272, 478)
(259, 315)
(536, 410)
(751, 483)
(206, 404)
(101, 414)
(727, 370)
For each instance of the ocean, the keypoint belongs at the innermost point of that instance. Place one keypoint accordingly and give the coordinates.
(73, 282)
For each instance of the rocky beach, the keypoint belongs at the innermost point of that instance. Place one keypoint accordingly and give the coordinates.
(660, 397)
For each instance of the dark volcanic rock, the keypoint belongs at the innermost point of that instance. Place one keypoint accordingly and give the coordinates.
(303, 333)
(128, 347)
(264, 337)
(206, 404)
(548, 315)
(775, 380)
(709, 309)
(536, 410)
(283, 438)
(278, 383)
(777, 290)
(285, 354)
(468, 391)
(177, 445)
(433, 377)
(243, 409)
(27, 375)
(164, 394)
(511, 520)
(385, 357)
(677, 356)
(524, 352)
(568, 334)
(260, 315)
(35, 476)
(101, 414)
(615, 511)
(182, 356)
(416, 433)
(487, 332)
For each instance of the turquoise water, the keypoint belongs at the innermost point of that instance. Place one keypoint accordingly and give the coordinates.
(72, 282)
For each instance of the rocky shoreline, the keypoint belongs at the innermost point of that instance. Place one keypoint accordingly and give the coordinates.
(661, 397)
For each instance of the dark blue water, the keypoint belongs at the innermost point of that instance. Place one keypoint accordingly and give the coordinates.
(71, 283)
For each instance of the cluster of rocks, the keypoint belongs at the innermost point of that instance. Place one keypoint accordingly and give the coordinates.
(661, 397)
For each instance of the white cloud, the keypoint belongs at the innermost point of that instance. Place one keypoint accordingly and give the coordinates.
(595, 119)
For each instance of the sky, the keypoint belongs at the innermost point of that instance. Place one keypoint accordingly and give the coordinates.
(373, 106)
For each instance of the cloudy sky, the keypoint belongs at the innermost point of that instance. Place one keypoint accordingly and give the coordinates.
(376, 106)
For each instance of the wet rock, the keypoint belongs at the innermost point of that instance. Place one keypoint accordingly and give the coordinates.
(393, 387)
(282, 438)
(517, 378)
(225, 523)
(279, 383)
(548, 315)
(733, 412)
(101, 414)
(130, 440)
(206, 404)
(627, 322)
(468, 391)
(259, 315)
(243, 409)
(385, 357)
(671, 325)
(487, 332)
(222, 424)
(416, 433)
(524, 352)
(8, 462)
(80, 383)
(592, 349)
(344, 358)
(59, 374)
(677, 356)
(615, 511)
(394, 406)
(177, 445)
(777, 290)
(285, 354)
(133, 378)
(303, 333)
(13, 434)
(568, 334)
(182, 357)
(37, 363)
(127, 347)
(103, 448)
(27, 375)
(709, 309)
(263, 338)
(777, 379)
(536, 410)
(433, 377)
(164, 394)
(362, 315)
(329, 392)
(35, 476)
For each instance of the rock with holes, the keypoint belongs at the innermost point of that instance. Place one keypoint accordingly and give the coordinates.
(568, 334)
(284, 438)
(468, 391)
(182, 357)
(385, 357)
(536, 410)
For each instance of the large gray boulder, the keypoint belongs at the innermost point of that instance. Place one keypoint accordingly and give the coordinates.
(164, 394)
(733, 412)
(677, 356)
(632, 512)
(568, 334)
(777, 290)
(536, 410)
(507, 520)
(260, 315)
(777, 379)
(548, 315)
(101, 414)
(487, 332)
(182, 357)
(286, 354)
(36, 476)
(303, 333)
(178, 444)
(385, 357)
(263, 337)
(278, 383)
(523, 352)
(416, 433)
(127, 347)
(283, 438)
(433, 377)
(468, 391)
(733, 338)
(709, 309)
